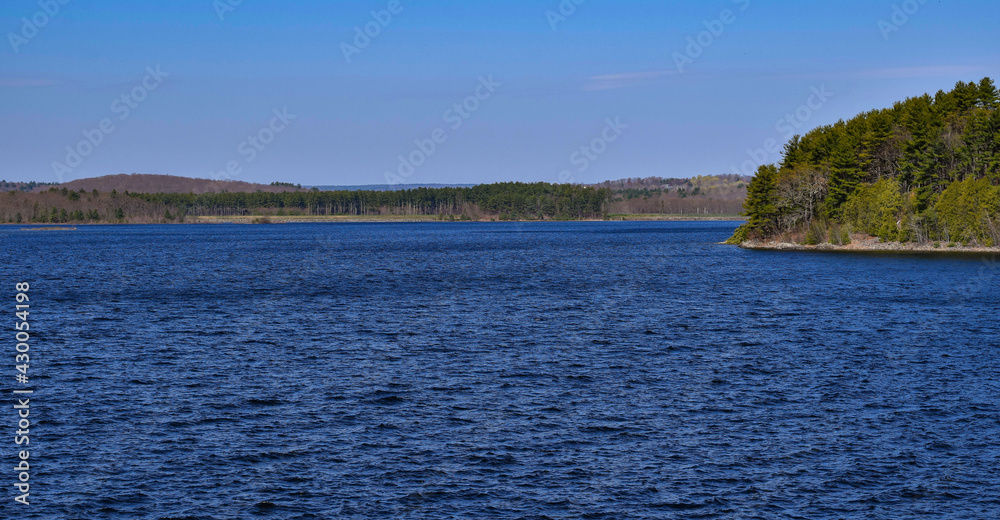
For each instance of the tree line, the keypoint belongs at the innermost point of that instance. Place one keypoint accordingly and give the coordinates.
(927, 169)
(503, 201)
(506, 201)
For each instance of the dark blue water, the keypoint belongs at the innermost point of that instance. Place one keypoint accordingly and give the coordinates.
(570, 370)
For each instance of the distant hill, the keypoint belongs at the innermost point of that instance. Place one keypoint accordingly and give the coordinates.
(702, 195)
(142, 183)
(721, 186)
(389, 187)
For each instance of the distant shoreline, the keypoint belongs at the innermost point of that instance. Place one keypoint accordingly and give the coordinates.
(434, 218)
(348, 219)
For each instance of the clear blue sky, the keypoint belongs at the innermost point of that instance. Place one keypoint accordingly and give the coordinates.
(558, 87)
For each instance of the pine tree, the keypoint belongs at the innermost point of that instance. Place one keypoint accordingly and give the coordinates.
(988, 96)
(793, 153)
(919, 164)
(845, 174)
(760, 205)
(979, 149)
(876, 156)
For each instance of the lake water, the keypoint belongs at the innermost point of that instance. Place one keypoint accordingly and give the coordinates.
(548, 370)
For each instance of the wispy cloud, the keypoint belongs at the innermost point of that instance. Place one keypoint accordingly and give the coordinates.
(25, 83)
(616, 81)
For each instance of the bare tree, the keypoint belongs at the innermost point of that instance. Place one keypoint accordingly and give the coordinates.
(800, 191)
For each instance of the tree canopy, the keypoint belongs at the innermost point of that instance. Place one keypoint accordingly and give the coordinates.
(926, 169)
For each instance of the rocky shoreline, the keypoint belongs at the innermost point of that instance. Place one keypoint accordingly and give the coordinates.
(862, 243)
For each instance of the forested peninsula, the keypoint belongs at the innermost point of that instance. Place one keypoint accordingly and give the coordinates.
(926, 171)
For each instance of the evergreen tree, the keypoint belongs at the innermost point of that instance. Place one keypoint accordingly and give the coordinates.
(845, 173)
(761, 210)
(877, 154)
(919, 164)
(988, 96)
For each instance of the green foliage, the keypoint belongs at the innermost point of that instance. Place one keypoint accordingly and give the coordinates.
(840, 235)
(968, 211)
(742, 235)
(925, 169)
(815, 234)
(844, 164)
(874, 209)
(760, 203)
